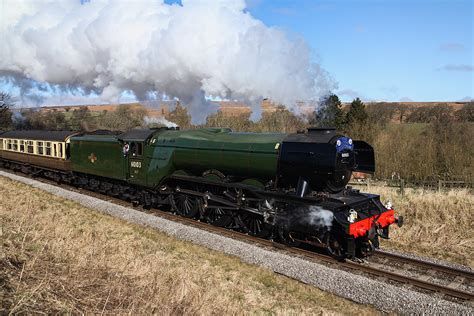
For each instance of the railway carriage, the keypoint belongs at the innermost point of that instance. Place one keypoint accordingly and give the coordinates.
(37, 151)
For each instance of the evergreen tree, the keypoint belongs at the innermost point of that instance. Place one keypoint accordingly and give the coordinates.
(329, 113)
(357, 113)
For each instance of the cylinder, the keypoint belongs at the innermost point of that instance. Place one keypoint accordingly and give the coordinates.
(302, 187)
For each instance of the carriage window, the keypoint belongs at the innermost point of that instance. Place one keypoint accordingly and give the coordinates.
(15, 145)
(22, 146)
(30, 147)
(9, 144)
(48, 149)
(40, 148)
(60, 150)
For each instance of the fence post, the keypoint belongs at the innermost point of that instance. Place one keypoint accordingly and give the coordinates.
(440, 185)
(402, 187)
(368, 184)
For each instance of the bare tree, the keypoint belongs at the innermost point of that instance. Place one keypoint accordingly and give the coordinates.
(123, 118)
(180, 116)
(6, 103)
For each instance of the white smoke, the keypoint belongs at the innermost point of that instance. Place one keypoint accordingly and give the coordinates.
(158, 120)
(195, 51)
(319, 217)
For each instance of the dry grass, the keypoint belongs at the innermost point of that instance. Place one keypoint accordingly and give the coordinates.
(437, 224)
(57, 256)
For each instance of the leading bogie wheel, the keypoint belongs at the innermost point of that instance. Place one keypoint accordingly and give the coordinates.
(335, 247)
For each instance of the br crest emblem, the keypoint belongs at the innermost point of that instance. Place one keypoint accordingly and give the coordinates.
(92, 157)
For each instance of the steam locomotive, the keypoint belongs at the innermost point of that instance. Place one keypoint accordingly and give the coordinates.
(290, 187)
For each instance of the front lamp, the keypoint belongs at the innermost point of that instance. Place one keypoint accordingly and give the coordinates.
(352, 216)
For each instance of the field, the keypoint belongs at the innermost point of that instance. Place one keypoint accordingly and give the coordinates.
(237, 108)
(437, 224)
(57, 257)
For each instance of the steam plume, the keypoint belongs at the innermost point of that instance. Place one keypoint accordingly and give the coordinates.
(158, 120)
(310, 217)
(195, 51)
(319, 217)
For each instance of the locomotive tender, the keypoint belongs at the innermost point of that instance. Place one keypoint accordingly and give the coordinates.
(271, 185)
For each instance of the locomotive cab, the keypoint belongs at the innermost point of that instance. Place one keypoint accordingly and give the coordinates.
(133, 145)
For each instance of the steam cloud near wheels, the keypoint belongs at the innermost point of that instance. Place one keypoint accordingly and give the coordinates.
(194, 52)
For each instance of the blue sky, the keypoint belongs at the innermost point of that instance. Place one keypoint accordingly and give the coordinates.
(420, 50)
(393, 50)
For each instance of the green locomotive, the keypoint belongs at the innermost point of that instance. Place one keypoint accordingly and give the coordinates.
(272, 185)
(150, 156)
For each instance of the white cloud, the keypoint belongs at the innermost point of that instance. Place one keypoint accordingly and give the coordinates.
(199, 49)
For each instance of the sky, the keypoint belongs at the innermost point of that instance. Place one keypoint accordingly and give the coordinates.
(393, 50)
(420, 50)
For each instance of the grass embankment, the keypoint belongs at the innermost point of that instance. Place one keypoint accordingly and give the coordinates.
(57, 256)
(437, 224)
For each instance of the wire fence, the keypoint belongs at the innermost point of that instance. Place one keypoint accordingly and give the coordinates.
(402, 184)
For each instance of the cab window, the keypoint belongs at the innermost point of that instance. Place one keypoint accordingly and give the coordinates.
(139, 149)
(136, 149)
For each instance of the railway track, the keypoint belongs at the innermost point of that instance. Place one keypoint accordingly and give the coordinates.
(448, 282)
(463, 276)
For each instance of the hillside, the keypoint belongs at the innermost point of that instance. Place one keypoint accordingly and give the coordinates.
(232, 108)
